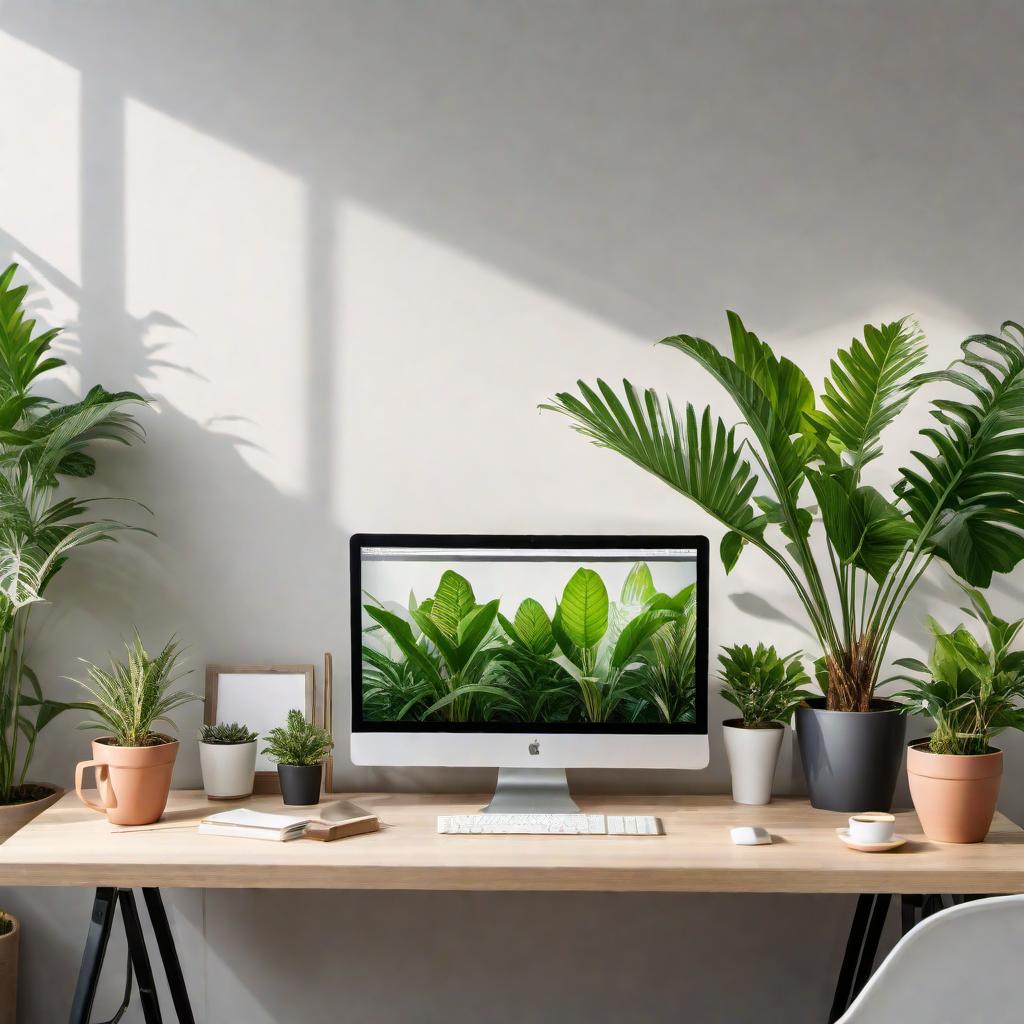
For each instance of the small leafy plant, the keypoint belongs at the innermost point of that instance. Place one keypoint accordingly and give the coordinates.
(227, 734)
(970, 691)
(6, 924)
(763, 685)
(298, 743)
(136, 694)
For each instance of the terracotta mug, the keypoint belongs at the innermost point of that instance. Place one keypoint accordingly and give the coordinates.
(132, 782)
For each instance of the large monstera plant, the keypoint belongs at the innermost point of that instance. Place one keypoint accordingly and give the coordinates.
(794, 461)
(42, 444)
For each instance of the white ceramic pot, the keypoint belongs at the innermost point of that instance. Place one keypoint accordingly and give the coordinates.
(229, 769)
(753, 754)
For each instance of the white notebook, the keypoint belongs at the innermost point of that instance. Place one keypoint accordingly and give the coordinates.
(246, 824)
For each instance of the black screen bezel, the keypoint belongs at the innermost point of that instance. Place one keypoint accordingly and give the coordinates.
(699, 543)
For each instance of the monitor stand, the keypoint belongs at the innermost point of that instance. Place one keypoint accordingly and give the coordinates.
(532, 791)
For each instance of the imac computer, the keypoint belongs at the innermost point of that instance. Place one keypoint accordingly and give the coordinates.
(530, 654)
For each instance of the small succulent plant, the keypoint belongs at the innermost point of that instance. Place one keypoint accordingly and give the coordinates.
(227, 734)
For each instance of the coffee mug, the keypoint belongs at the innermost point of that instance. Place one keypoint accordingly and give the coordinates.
(872, 827)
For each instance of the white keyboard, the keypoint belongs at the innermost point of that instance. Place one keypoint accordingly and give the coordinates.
(549, 825)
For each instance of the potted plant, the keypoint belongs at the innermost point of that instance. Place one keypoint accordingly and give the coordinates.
(970, 692)
(227, 755)
(133, 763)
(793, 461)
(42, 444)
(10, 938)
(765, 687)
(299, 749)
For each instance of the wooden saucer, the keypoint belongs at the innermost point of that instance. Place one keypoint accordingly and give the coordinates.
(893, 844)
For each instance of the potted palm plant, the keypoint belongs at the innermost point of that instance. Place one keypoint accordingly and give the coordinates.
(227, 756)
(133, 763)
(299, 748)
(971, 692)
(766, 688)
(42, 444)
(10, 937)
(794, 461)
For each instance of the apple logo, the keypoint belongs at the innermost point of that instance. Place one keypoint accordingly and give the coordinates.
(534, 747)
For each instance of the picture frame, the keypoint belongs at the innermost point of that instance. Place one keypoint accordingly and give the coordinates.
(260, 696)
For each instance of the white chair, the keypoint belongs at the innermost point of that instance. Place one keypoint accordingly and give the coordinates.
(959, 965)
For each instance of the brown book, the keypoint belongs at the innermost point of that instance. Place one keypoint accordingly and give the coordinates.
(327, 831)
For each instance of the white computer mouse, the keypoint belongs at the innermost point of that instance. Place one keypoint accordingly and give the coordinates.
(750, 835)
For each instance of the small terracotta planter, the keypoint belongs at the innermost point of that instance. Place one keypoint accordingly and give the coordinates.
(15, 816)
(133, 782)
(954, 794)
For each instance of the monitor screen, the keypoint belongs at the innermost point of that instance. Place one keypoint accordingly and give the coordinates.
(538, 634)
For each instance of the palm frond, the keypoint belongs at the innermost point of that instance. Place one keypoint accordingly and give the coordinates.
(869, 387)
(968, 496)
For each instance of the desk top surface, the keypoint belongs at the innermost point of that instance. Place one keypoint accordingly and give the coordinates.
(70, 845)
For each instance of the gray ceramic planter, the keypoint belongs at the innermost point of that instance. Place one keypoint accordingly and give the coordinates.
(851, 758)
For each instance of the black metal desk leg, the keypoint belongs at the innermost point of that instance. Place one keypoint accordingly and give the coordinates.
(169, 955)
(103, 908)
(140, 958)
(861, 950)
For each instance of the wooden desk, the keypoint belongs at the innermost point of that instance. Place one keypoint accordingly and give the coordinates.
(70, 845)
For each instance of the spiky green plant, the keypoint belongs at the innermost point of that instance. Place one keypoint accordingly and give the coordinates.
(227, 734)
(298, 743)
(964, 503)
(762, 684)
(135, 694)
(42, 444)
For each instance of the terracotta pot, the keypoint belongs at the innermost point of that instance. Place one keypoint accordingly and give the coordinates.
(954, 794)
(752, 754)
(133, 782)
(15, 816)
(9, 973)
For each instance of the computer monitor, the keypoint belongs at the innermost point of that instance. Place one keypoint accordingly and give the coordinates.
(531, 654)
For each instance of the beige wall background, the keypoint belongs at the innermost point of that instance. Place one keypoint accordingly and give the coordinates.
(347, 248)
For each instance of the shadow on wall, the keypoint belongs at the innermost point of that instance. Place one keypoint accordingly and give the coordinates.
(608, 154)
(625, 173)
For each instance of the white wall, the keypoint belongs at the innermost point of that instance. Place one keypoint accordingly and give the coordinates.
(347, 248)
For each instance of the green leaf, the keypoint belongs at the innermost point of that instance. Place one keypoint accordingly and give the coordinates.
(864, 528)
(636, 633)
(730, 549)
(448, 649)
(969, 493)
(401, 632)
(565, 644)
(768, 416)
(638, 587)
(475, 632)
(783, 382)
(534, 627)
(453, 600)
(584, 609)
(868, 389)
